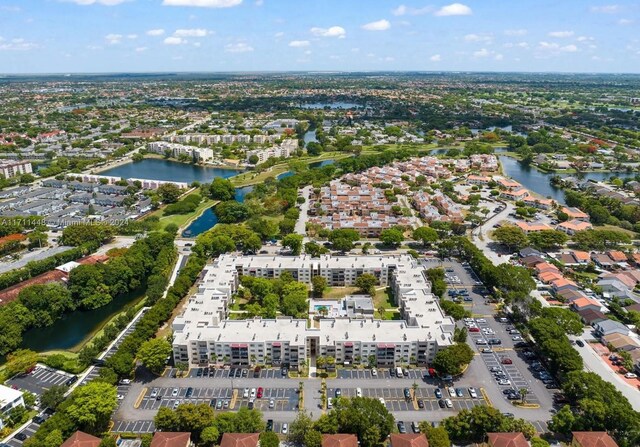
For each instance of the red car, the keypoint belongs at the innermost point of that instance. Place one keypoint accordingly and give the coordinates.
(474, 329)
(506, 361)
(259, 394)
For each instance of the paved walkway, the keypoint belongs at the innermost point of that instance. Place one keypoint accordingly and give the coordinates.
(300, 227)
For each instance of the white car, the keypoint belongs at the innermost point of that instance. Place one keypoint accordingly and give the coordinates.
(176, 404)
(125, 382)
(504, 382)
(381, 399)
(631, 376)
(285, 428)
(272, 403)
(245, 393)
(374, 372)
(174, 393)
(480, 341)
(472, 393)
(452, 391)
(359, 392)
(120, 396)
(253, 393)
(480, 320)
(448, 403)
(516, 338)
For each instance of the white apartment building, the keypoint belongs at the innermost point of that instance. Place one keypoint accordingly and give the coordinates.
(198, 153)
(9, 399)
(9, 169)
(203, 334)
(284, 150)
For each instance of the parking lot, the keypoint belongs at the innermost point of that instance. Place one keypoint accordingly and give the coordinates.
(284, 399)
(133, 427)
(228, 373)
(395, 400)
(42, 378)
(382, 373)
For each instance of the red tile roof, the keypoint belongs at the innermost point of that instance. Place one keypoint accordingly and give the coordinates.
(240, 440)
(339, 440)
(593, 439)
(81, 439)
(171, 439)
(516, 439)
(409, 440)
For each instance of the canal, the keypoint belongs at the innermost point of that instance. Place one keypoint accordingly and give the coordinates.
(540, 182)
(167, 170)
(76, 328)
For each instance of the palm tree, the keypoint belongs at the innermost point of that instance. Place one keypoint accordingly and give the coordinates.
(225, 359)
(321, 362)
(523, 394)
(331, 361)
(214, 357)
(253, 359)
(415, 388)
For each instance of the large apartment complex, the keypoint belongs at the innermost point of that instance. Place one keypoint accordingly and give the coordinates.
(203, 334)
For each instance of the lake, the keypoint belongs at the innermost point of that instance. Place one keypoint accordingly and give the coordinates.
(208, 218)
(314, 165)
(75, 328)
(539, 182)
(330, 105)
(310, 136)
(158, 169)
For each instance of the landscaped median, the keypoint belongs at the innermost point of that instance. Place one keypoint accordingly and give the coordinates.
(486, 397)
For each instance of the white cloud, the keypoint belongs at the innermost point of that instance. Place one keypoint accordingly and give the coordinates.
(203, 3)
(90, 47)
(113, 39)
(240, 47)
(259, 2)
(10, 8)
(405, 10)
(482, 53)
(498, 57)
(18, 44)
(299, 43)
(334, 31)
(557, 48)
(606, 9)
(561, 34)
(524, 45)
(454, 9)
(132, 36)
(97, 2)
(141, 49)
(380, 25)
(174, 41)
(435, 58)
(625, 22)
(389, 59)
(585, 39)
(279, 34)
(155, 32)
(196, 32)
(515, 32)
(478, 38)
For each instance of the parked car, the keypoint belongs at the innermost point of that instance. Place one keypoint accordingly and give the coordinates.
(259, 394)
(438, 393)
(631, 376)
(441, 403)
(472, 393)
(415, 427)
(506, 361)
(285, 429)
(580, 343)
(448, 403)
(401, 427)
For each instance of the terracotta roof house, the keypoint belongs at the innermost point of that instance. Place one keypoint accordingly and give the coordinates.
(582, 256)
(339, 440)
(547, 277)
(516, 439)
(240, 440)
(546, 267)
(575, 214)
(592, 439)
(81, 439)
(573, 226)
(570, 295)
(636, 258)
(627, 280)
(568, 259)
(585, 303)
(540, 203)
(531, 261)
(617, 256)
(409, 440)
(172, 439)
(562, 284)
(533, 226)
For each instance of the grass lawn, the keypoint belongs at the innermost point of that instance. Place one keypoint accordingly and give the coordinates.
(183, 220)
(338, 292)
(630, 233)
(383, 298)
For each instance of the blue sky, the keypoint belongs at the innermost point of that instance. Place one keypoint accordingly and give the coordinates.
(64, 36)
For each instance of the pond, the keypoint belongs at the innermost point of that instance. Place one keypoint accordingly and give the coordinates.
(75, 328)
(157, 169)
(330, 105)
(208, 218)
(539, 182)
(310, 136)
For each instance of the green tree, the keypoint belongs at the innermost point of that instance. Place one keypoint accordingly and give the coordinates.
(231, 211)
(365, 417)
(319, 284)
(437, 436)
(367, 283)
(20, 362)
(425, 235)
(568, 320)
(563, 421)
(511, 236)
(391, 237)
(53, 396)
(299, 427)
(210, 436)
(452, 359)
(221, 189)
(153, 354)
(293, 242)
(169, 193)
(539, 442)
(547, 239)
(314, 249)
(53, 439)
(269, 439)
(108, 441)
(454, 310)
(91, 405)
